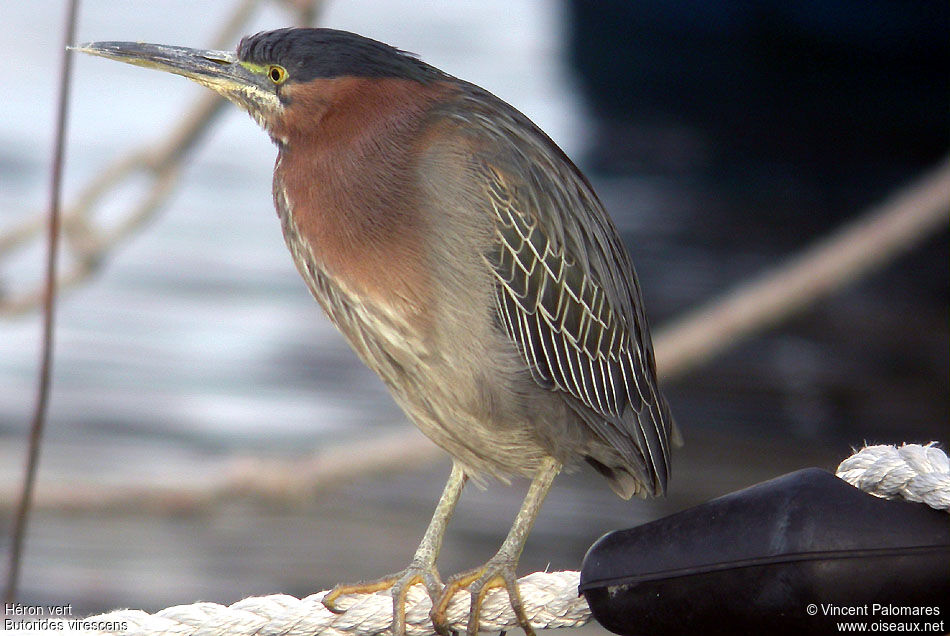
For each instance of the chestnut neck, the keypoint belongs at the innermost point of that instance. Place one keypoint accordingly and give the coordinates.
(348, 148)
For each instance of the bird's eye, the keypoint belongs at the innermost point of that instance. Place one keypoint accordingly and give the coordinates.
(277, 74)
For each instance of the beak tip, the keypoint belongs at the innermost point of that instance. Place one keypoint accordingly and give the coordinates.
(90, 48)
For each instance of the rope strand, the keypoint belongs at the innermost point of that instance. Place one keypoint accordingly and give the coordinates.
(911, 471)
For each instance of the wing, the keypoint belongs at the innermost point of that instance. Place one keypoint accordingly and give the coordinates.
(567, 294)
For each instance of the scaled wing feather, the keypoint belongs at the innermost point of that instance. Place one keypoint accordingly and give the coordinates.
(578, 332)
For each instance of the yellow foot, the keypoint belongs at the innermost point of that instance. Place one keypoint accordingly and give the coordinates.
(498, 572)
(399, 585)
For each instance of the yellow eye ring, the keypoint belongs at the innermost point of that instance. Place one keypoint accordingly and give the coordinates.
(277, 74)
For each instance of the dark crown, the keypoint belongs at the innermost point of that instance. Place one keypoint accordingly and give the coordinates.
(309, 53)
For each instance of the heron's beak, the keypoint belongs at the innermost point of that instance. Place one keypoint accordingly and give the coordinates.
(244, 84)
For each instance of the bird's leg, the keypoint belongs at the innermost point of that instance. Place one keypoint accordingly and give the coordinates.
(499, 571)
(422, 567)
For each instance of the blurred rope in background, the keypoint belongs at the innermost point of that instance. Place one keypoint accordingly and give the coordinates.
(89, 242)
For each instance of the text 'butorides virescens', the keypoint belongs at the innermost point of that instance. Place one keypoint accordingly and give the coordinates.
(467, 261)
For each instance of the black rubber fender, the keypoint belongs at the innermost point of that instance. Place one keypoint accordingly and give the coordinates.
(797, 554)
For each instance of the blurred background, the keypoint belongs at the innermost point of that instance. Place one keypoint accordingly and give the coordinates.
(722, 138)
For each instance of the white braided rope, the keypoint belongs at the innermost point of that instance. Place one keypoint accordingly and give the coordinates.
(550, 600)
(912, 472)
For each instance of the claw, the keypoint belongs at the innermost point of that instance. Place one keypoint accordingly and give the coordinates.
(498, 572)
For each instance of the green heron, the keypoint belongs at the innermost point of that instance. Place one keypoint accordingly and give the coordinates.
(468, 262)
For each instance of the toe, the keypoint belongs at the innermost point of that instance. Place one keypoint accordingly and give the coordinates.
(438, 614)
(367, 587)
(399, 585)
(479, 582)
